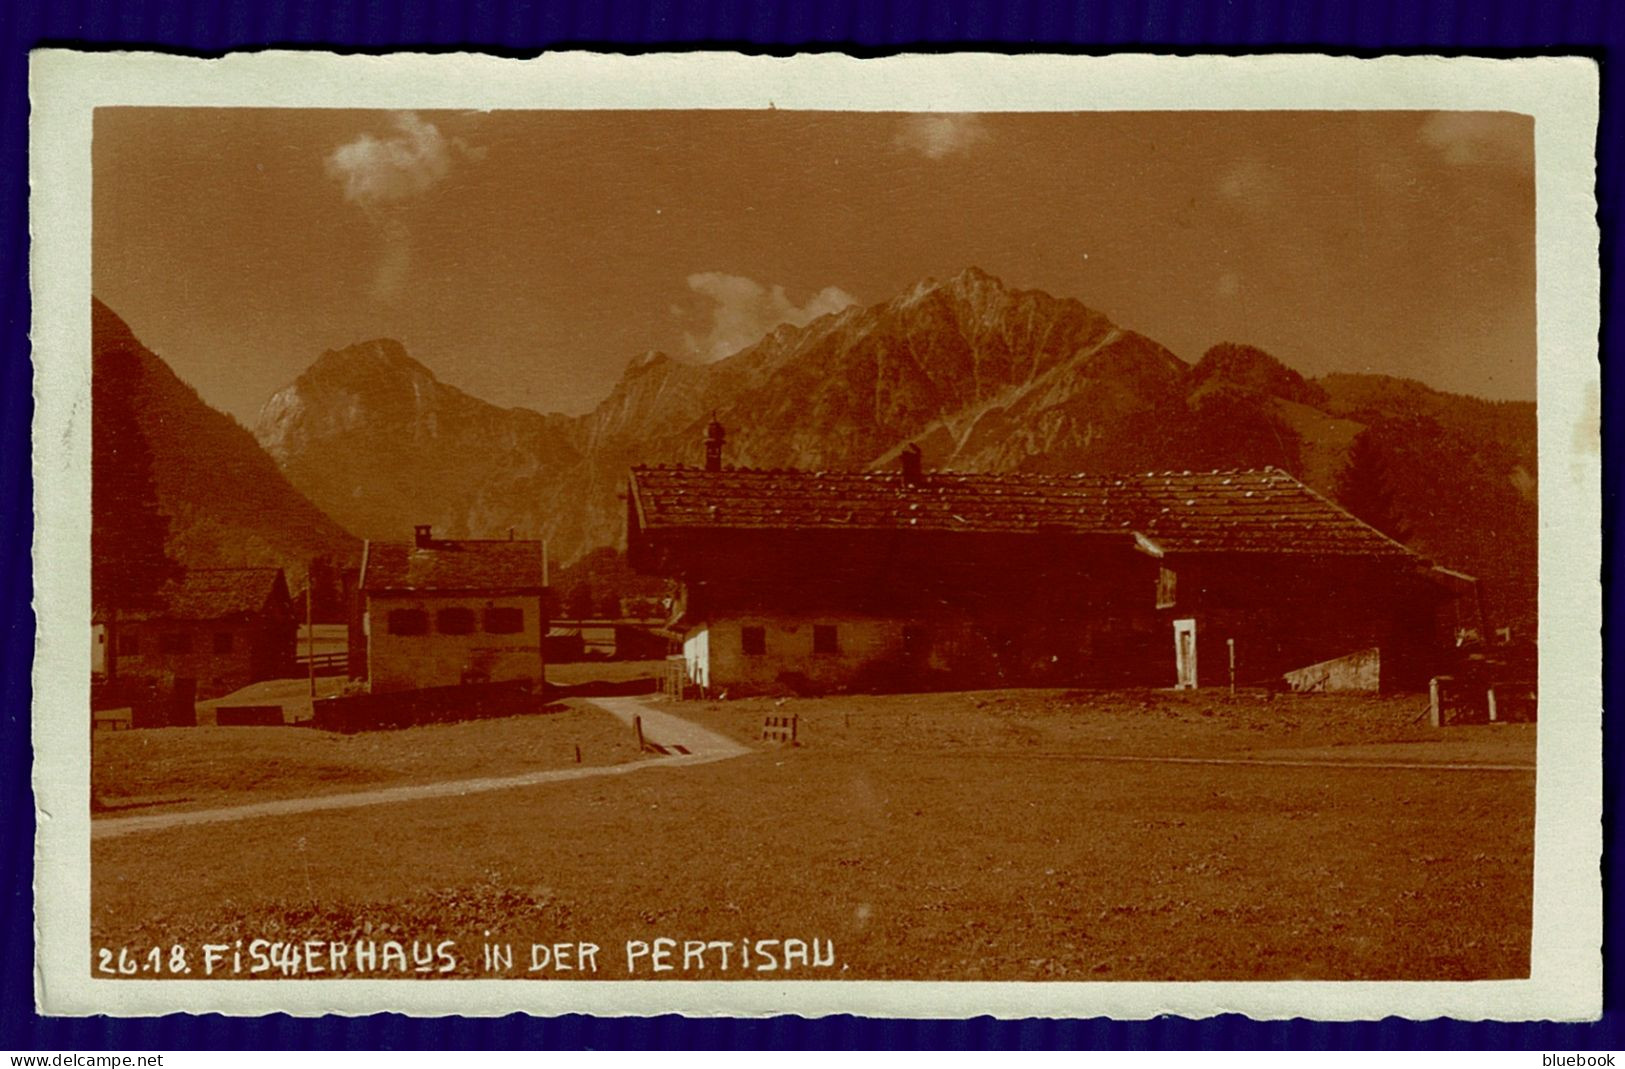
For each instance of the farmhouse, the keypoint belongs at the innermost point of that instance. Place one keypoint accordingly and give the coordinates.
(215, 630)
(442, 612)
(909, 579)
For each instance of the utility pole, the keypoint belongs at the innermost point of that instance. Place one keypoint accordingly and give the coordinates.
(310, 641)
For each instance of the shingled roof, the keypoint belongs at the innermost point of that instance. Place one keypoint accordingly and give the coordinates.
(1262, 511)
(448, 565)
(219, 593)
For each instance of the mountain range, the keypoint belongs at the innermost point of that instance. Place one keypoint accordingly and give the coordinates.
(984, 377)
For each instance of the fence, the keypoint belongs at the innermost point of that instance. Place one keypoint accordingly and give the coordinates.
(674, 682)
(1452, 701)
(326, 664)
(780, 729)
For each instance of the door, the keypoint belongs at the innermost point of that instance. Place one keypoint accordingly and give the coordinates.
(1184, 654)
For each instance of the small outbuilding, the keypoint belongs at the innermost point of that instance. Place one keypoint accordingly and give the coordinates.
(447, 611)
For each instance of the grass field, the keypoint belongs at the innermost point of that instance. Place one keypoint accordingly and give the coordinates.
(571, 673)
(952, 836)
(168, 769)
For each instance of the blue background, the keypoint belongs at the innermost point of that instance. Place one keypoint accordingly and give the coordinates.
(875, 27)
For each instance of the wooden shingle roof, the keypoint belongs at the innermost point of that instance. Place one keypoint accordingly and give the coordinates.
(467, 566)
(1262, 511)
(217, 594)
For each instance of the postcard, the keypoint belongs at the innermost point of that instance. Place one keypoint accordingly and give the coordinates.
(925, 536)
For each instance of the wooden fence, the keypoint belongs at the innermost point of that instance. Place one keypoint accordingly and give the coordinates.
(326, 664)
(781, 729)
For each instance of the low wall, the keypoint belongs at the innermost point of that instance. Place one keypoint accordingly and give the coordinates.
(1359, 672)
(431, 705)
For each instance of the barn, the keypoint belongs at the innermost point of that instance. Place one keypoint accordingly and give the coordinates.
(214, 631)
(913, 579)
(442, 612)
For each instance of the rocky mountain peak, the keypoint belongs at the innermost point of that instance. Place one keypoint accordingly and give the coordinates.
(368, 359)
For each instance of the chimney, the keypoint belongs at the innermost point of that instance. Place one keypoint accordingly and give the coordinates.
(913, 474)
(714, 437)
(424, 534)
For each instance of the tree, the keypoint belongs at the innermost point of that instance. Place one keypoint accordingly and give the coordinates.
(327, 587)
(578, 603)
(1364, 488)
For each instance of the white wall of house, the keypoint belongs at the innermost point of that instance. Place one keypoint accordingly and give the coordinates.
(439, 659)
(697, 655)
(717, 658)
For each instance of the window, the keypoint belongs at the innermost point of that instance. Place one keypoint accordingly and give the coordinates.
(222, 641)
(129, 644)
(824, 639)
(1167, 588)
(408, 622)
(455, 621)
(753, 640)
(504, 620)
(175, 642)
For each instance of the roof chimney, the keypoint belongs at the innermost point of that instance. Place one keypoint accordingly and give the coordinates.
(714, 436)
(913, 473)
(425, 535)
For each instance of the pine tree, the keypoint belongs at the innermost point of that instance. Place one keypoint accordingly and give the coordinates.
(1363, 487)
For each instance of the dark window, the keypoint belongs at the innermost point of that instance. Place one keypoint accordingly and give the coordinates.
(222, 641)
(824, 639)
(504, 620)
(1167, 588)
(454, 621)
(175, 642)
(754, 640)
(408, 622)
(129, 644)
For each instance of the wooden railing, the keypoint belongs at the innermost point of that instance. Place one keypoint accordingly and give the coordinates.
(326, 664)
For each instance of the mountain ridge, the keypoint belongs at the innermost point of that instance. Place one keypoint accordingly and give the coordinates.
(982, 376)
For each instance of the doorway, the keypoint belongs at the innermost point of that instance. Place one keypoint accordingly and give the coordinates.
(1185, 654)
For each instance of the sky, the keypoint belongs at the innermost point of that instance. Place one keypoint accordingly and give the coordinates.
(529, 256)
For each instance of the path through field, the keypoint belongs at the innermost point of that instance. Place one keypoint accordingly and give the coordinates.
(673, 733)
(685, 743)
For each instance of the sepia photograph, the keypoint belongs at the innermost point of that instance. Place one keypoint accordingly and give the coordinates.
(811, 544)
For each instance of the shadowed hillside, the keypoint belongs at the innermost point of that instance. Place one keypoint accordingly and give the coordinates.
(227, 502)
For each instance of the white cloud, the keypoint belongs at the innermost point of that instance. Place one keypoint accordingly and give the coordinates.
(743, 311)
(937, 136)
(1464, 137)
(378, 173)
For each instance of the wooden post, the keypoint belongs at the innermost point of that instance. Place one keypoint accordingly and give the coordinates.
(1232, 643)
(310, 640)
(1433, 700)
(637, 729)
(1489, 697)
(578, 753)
